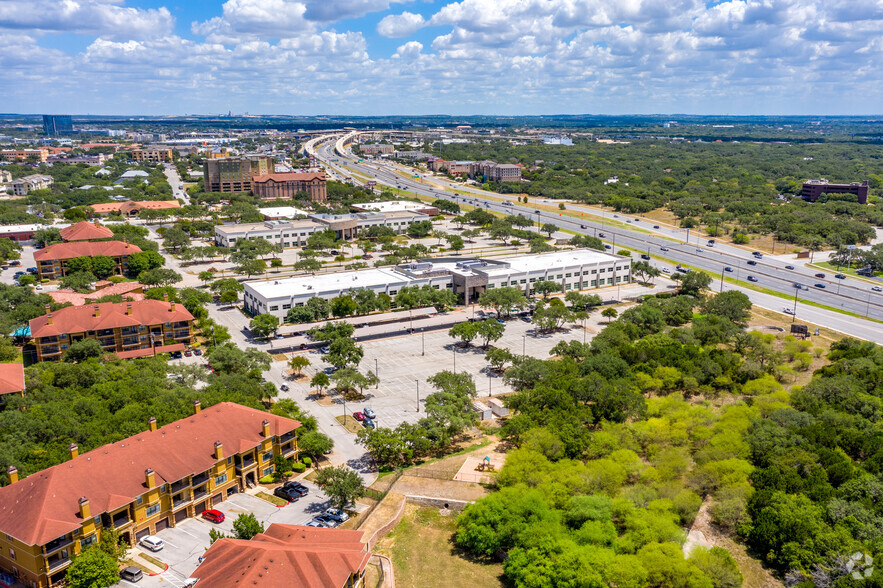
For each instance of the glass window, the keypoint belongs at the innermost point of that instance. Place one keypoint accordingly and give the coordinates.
(268, 471)
(566, 275)
(274, 307)
(221, 479)
(139, 500)
(286, 306)
(97, 521)
(152, 510)
(267, 456)
(91, 539)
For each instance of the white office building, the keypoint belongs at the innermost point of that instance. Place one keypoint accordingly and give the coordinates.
(579, 269)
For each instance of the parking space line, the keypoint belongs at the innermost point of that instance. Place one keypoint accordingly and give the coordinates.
(166, 541)
(183, 531)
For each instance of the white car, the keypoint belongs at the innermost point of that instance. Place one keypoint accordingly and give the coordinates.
(665, 270)
(787, 311)
(152, 542)
(337, 514)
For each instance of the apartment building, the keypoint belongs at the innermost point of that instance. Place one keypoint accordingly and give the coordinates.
(287, 555)
(138, 486)
(578, 269)
(52, 261)
(39, 155)
(153, 155)
(23, 186)
(129, 329)
(286, 185)
(376, 149)
(295, 233)
(12, 380)
(236, 174)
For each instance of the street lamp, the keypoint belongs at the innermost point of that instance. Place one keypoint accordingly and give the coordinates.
(524, 346)
(723, 269)
(454, 349)
(794, 310)
(422, 342)
(376, 373)
(418, 395)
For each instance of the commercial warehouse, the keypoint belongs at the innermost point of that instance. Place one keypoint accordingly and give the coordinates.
(579, 269)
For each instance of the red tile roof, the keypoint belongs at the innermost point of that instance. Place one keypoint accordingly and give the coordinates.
(125, 289)
(130, 205)
(12, 378)
(284, 556)
(290, 177)
(111, 315)
(85, 249)
(85, 231)
(44, 506)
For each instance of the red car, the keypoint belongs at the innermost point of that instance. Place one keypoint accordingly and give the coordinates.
(213, 515)
(359, 416)
(188, 353)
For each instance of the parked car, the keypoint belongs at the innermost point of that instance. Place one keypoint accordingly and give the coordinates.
(317, 524)
(188, 353)
(369, 424)
(131, 574)
(752, 279)
(284, 388)
(297, 487)
(822, 276)
(337, 514)
(152, 542)
(38, 287)
(369, 412)
(214, 516)
(359, 416)
(501, 321)
(176, 355)
(14, 263)
(789, 267)
(526, 318)
(335, 252)
(286, 494)
(324, 350)
(197, 352)
(32, 270)
(326, 520)
(820, 285)
(608, 247)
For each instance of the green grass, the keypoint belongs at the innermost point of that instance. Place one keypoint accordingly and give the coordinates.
(483, 443)
(153, 560)
(827, 265)
(271, 499)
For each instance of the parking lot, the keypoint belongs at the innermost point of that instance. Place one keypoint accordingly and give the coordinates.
(189, 539)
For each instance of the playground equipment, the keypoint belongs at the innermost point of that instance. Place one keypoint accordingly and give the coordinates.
(485, 465)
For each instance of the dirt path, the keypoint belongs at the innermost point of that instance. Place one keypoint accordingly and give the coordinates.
(707, 534)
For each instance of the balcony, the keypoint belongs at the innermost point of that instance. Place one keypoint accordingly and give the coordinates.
(288, 449)
(199, 480)
(45, 340)
(109, 342)
(179, 485)
(119, 522)
(130, 341)
(57, 563)
(129, 330)
(200, 493)
(54, 350)
(57, 544)
(286, 437)
(180, 500)
(181, 335)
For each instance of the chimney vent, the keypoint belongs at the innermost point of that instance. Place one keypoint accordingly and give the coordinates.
(197, 406)
(151, 423)
(12, 472)
(97, 310)
(85, 509)
(74, 450)
(265, 428)
(219, 450)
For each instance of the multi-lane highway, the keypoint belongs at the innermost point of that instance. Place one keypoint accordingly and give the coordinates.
(661, 243)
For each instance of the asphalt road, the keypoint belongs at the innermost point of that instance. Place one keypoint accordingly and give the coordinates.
(849, 295)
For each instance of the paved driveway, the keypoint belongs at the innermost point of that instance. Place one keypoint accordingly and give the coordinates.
(188, 541)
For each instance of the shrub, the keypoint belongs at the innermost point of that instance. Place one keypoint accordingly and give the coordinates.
(307, 461)
(266, 479)
(288, 474)
(299, 467)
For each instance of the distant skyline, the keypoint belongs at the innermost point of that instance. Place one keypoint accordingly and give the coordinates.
(401, 57)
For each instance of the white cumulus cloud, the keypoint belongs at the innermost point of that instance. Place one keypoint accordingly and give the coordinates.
(98, 17)
(400, 25)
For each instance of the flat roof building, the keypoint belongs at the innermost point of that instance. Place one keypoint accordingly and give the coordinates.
(153, 155)
(55, 124)
(236, 174)
(395, 206)
(282, 213)
(578, 269)
(813, 190)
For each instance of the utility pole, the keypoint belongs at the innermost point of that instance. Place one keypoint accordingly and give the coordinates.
(722, 280)
(794, 310)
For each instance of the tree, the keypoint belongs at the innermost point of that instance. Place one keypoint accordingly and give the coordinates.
(321, 240)
(498, 357)
(78, 281)
(465, 331)
(732, 304)
(224, 284)
(341, 484)
(82, 350)
(331, 331)
(342, 306)
(314, 443)
(502, 300)
(159, 277)
(247, 526)
(546, 287)
(143, 261)
(420, 229)
(500, 230)
(230, 359)
(174, 239)
(307, 265)
(693, 282)
(93, 568)
(321, 381)
(30, 280)
(206, 277)
(251, 267)
(644, 270)
(490, 330)
(455, 242)
(298, 363)
(343, 352)
(228, 297)
(549, 229)
(582, 302)
(551, 317)
(610, 313)
(264, 325)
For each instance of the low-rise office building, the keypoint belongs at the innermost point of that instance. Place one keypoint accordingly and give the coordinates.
(579, 269)
(287, 555)
(137, 486)
(295, 233)
(23, 186)
(286, 185)
(283, 213)
(52, 261)
(38, 155)
(153, 155)
(396, 206)
(20, 233)
(814, 189)
(134, 328)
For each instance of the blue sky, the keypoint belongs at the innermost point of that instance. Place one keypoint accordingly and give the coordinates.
(375, 57)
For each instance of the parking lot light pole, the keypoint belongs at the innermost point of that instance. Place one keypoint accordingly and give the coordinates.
(418, 395)
(376, 373)
(454, 349)
(523, 346)
(422, 342)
